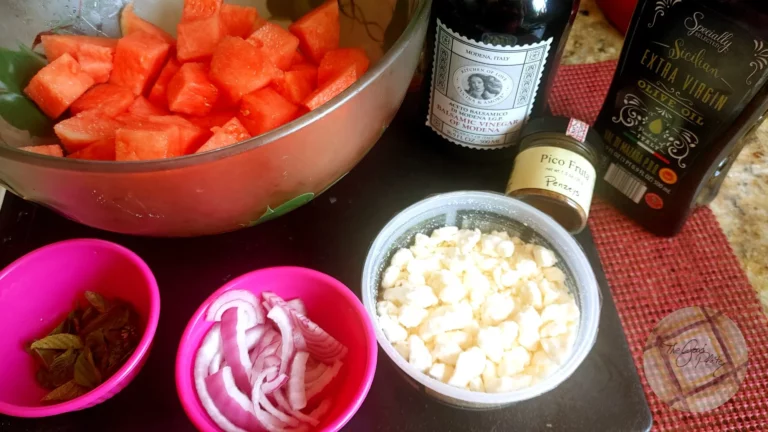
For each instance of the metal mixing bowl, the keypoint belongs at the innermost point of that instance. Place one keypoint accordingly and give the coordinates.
(236, 186)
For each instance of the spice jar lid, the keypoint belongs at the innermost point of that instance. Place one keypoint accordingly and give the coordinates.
(581, 132)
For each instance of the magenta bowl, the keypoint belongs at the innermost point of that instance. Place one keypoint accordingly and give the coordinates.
(38, 291)
(330, 304)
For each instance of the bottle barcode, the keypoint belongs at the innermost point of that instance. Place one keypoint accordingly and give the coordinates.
(626, 183)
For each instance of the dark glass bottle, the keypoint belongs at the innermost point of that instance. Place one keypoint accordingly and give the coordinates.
(691, 83)
(490, 66)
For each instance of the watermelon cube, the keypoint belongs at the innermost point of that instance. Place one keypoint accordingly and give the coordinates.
(339, 60)
(138, 60)
(190, 91)
(190, 137)
(264, 110)
(96, 61)
(55, 46)
(238, 20)
(56, 86)
(141, 107)
(231, 133)
(278, 43)
(48, 150)
(239, 68)
(159, 93)
(86, 128)
(212, 120)
(103, 150)
(110, 99)
(300, 60)
(200, 9)
(318, 31)
(331, 89)
(145, 142)
(296, 85)
(131, 23)
(198, 39)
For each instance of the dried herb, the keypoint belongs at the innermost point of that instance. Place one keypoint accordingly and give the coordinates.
(86, 348)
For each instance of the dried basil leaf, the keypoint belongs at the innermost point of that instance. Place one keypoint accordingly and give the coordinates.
(96, 342)
(97, 301)
(114, 317)
(86, 373)
(60, 371)
(58, 341)
(65, 392)
(44, 356)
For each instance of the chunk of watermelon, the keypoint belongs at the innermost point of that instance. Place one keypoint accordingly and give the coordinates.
(159, 93)
(190, 91)
(138, 60)
(131, 23)
(238, 20)
(331, 88)
(200, 9)
(190, 137)
(231, 133)
(318, 31)
(48, 150)
(197, 40)
(212, 120)
(278, 43)
(55, 46)
(339, 60)
(96, 61)
(103, 150)
(145, 142)
(264, 110)
(141, 107)
(56, 86)
(110, 99)
(239, 68)
(86, 128)
(296, 85)
(300, 60)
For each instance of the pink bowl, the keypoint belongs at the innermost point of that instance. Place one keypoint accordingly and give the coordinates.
(329, 303)
(38, 291)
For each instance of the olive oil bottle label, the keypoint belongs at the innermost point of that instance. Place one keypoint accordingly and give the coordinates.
(556, 170)
(686, 75)
(482, 94)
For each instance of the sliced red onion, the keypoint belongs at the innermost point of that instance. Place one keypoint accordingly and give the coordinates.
(315, 372)
(270, 387)
(270, 337)
(319, 343)
(322, 409)
(283, 417)
(315, 387)
(235, 349)
(282, 402)
(230, 402)
(236, 298)
(297, 305)
(254, 334)
(208, 349)
(280, 317)
(296, 392)
(269, 421)
(216, 363)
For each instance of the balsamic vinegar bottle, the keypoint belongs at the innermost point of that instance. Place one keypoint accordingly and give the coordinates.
(491, 65)
(691, 83)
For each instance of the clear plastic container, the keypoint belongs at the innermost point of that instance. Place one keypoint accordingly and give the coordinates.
(487, 212)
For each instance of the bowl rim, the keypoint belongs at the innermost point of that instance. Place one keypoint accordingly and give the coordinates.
(118, 380)
(123, 167)
(188, 396)
(482, 399)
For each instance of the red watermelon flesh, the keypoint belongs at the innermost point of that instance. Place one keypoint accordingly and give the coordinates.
(278, 43)
(138, 60)
(200, 9)
(103, 150)
(86, 128)
(197, 40)
(190, 137)
(190, 91)
(264, 110)
(331, 89)
(55, 46)
(57, 85)
(145, 142)
(239, 68)
(48, 150)
(131, 23)
(338, 61)
(318, 31)
(237, 20)
(212, 120)
(143, 108)
(110, 99)
(231, 133)
(296, 85)
(159, 93)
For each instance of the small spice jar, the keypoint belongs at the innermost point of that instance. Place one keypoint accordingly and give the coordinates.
(555, 170)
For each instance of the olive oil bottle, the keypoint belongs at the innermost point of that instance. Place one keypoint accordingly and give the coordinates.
(491, 65)
(690, 84)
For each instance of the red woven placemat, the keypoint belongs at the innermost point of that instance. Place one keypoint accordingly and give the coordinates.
(651, 277)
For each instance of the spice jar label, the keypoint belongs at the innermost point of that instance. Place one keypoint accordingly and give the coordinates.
(556, 170)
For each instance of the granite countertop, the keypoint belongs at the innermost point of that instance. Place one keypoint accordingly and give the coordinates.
(742, 206)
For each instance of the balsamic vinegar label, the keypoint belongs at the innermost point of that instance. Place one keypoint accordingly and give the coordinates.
(688, 74)
(482, 94)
